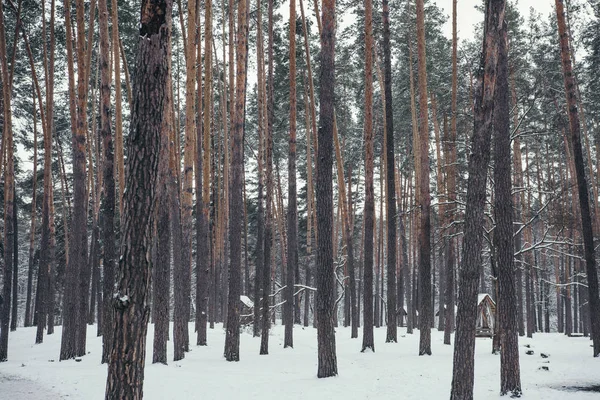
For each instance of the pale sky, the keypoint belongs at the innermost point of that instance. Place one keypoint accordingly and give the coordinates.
(468, 16)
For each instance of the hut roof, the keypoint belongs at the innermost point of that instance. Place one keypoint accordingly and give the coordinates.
(247, 302)
(482, 296)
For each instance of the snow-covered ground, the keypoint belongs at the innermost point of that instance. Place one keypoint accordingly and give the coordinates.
(393, 371)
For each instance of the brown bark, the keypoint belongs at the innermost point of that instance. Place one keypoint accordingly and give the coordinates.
(126, 366)
(450, 154)
(70, 343)
(327, 360)
(424, 203)
(9, 187)
(120, 167)
(260, 238)
(575, 138)
(464, 342)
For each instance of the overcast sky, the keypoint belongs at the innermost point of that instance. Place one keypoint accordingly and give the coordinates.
(468, 16)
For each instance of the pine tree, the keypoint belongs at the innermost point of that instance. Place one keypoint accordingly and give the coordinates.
(126, 365)
(327, 360)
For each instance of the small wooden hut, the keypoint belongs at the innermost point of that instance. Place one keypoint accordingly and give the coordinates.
(486, 313)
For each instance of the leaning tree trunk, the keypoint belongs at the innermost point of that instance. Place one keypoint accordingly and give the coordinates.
(126, 366)
(582, 189)
(510, 377)
(232, 337)
(464, 342)
(327, 360)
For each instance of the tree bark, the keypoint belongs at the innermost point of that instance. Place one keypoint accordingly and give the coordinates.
(510, 377)
(582, 189)
(327, 360)
(464, 342)
(369, 213)
(292, 212)
(126, 366)
(232, 337)
(392, 326)
(9, 187)
(108, 181)
(425, 307)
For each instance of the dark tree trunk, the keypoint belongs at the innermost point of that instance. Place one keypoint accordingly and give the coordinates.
(15, 266)
(392, 326)
(464, 342)
(161, 279)
(94, 262)
(126, 366)
(354, 315)
(327, 360)
(425, 304)
(108, 182)
(510, 377)
(203, 250)
(78, 229)
(292, 212)
(232, 337)
(584, 201)
(369, 213)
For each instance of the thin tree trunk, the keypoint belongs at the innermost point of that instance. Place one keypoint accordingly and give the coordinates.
(392, 326)
(120, 167)
(108, 181)
(28, 314)
(369, 213)
(425, 307)
(292, 212)
(9, 187)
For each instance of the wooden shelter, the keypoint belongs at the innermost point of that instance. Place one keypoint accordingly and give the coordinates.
(486, 313)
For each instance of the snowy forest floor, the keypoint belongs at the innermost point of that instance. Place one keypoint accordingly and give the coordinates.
(393, 371)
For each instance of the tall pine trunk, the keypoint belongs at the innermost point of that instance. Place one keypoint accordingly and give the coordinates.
(232, 337)
(464, 342)
(126, 366)
(327, 360)
(292, 212)
(108, 181)
(582, 188)
(425, 306)
(510, 377)
(392, 330)
(9, 188)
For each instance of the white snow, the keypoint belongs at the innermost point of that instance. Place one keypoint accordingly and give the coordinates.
(393, 371)
(246, 300)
